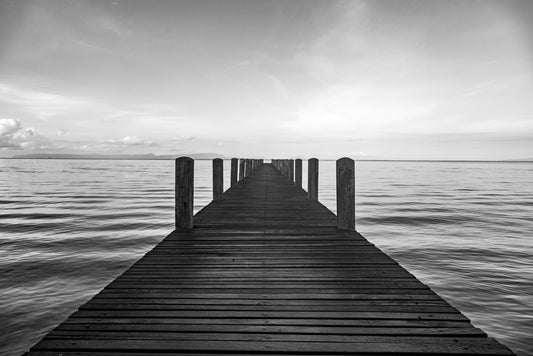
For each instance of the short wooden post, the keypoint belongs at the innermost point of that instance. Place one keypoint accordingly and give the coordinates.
(234, 170)
(346, 194)
(184, 190)
(241, 169)
(312, 179)
(291, 170)
(298, 172)
(218, 178)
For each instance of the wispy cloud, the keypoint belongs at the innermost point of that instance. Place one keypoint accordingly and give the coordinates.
(131, 141)
(40, 104)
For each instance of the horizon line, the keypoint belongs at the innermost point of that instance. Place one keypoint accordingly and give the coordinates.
(303, 159)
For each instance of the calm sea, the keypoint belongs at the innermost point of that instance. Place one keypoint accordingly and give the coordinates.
(69, 227)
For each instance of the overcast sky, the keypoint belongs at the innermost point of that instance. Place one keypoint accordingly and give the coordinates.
(386, 79)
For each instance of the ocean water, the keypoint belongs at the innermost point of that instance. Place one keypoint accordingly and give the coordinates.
(69, 227)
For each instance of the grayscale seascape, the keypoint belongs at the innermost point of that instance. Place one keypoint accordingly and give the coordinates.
(69, 227)
(411, 119)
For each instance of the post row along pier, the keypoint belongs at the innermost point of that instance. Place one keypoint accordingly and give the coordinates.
(266, 269)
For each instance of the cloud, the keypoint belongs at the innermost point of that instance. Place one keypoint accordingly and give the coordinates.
(41, 104)
(360, 111)
(9, 129)
(14, 137)
(131, 141)
(9, 126)
(114, 145)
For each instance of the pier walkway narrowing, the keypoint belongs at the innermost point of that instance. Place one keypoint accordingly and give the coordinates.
(266, 271)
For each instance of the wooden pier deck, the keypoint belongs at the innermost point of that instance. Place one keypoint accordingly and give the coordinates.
(266, 271)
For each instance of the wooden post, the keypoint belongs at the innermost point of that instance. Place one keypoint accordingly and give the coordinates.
(234, 170)
(241, 169)
(298, 172)
(184, 187)
(291, 170)
(346, 194)
(312, 179)
(218, 178)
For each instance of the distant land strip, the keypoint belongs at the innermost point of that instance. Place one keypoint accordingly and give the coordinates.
(147, 156)
(210, 155)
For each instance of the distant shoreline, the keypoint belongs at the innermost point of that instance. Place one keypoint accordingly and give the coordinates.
(227, 159)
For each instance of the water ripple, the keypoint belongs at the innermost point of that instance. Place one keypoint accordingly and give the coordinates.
(70, 227)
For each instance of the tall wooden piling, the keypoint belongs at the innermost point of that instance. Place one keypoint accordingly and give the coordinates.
(234, 170)
(184, 190)
(241, 168)
(346, 194)
(312, 179)
(218, 178)
(298, 172)
(291, 170)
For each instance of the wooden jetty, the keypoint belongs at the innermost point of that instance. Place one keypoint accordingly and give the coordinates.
(266, 269)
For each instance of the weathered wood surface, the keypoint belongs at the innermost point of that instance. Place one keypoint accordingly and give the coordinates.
(218, 178)
(312, 179)
(345, 194)
(265, 271)
(298, 172)
(184, 193)
(234, 170)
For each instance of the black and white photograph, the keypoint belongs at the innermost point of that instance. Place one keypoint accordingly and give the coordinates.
(266, 177)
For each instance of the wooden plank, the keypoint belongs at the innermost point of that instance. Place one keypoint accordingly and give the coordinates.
(477, 346)
(370, 323)
(234, 328)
